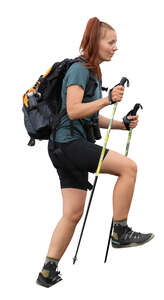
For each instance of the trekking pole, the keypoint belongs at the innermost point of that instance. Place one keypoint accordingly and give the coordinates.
(132, 113)
(122, 82)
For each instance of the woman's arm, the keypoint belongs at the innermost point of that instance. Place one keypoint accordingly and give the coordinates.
(78, 110)
(104, 123)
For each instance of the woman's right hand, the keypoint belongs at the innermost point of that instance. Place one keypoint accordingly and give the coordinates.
(117, 93)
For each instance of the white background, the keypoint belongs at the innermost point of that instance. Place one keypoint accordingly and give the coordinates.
(34, 35)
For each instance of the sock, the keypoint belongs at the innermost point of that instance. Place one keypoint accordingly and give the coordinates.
(52, 259)
(121, 222)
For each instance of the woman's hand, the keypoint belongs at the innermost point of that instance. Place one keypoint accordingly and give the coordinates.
(133, 123)
(117, 93)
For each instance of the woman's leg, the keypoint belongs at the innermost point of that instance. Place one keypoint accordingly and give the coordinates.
(73, 206)
(126, 170)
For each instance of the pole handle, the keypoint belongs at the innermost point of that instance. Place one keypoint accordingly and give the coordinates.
(135, 109)
(123, 81)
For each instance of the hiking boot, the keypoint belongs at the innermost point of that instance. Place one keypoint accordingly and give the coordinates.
(48, 276)
(124, 236)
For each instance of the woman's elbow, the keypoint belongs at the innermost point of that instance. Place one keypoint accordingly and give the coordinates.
(70, 115)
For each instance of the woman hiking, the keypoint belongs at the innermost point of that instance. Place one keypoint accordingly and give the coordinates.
(98, 45)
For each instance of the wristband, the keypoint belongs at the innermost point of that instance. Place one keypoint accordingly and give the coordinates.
(126, 120)
(110, 96)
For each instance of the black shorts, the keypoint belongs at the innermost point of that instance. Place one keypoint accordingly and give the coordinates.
(84, 154)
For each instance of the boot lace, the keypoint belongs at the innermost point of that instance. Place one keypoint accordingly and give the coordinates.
(129, 233)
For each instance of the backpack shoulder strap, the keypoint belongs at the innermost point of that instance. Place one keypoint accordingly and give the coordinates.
(58, 70)
(89, 91)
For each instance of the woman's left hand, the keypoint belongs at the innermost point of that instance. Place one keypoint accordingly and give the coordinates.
(133, 123)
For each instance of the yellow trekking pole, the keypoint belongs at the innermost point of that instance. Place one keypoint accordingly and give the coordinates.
(122, 82)
(127, 122)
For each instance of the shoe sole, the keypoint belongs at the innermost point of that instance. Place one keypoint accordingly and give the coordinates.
(47, 285)
(132, 244)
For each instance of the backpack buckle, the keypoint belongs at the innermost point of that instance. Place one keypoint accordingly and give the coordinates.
(33, 99)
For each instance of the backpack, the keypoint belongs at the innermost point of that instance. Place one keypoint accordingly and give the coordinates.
(42, 102)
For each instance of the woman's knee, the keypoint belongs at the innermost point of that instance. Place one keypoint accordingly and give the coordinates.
(118, 164)
(131, 168)
(74, 217)
(73, 204)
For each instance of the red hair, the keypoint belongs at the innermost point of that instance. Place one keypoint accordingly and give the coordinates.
(89, 43)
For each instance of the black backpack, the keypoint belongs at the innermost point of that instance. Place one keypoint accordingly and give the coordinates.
(42, 103)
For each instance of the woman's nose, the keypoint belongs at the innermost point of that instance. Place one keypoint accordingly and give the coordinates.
(115, 48)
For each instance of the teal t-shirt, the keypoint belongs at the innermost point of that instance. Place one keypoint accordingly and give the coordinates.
(77, 74)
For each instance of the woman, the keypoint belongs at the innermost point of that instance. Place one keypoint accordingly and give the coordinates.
(98, 45)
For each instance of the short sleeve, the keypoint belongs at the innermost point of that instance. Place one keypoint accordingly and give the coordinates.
(77, 74)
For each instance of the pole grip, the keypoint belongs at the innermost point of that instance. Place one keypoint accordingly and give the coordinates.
(123, 81)
(135, 109)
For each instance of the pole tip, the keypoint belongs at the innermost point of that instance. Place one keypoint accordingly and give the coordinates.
(74, 260)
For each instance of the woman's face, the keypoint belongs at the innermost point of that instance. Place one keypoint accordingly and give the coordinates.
(107, 45)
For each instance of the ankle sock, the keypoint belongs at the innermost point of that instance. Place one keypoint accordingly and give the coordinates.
(121, 222)
(52, 259)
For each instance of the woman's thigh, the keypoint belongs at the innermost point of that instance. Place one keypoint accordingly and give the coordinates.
(73, 202)
(116, 164)
(83, 154)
